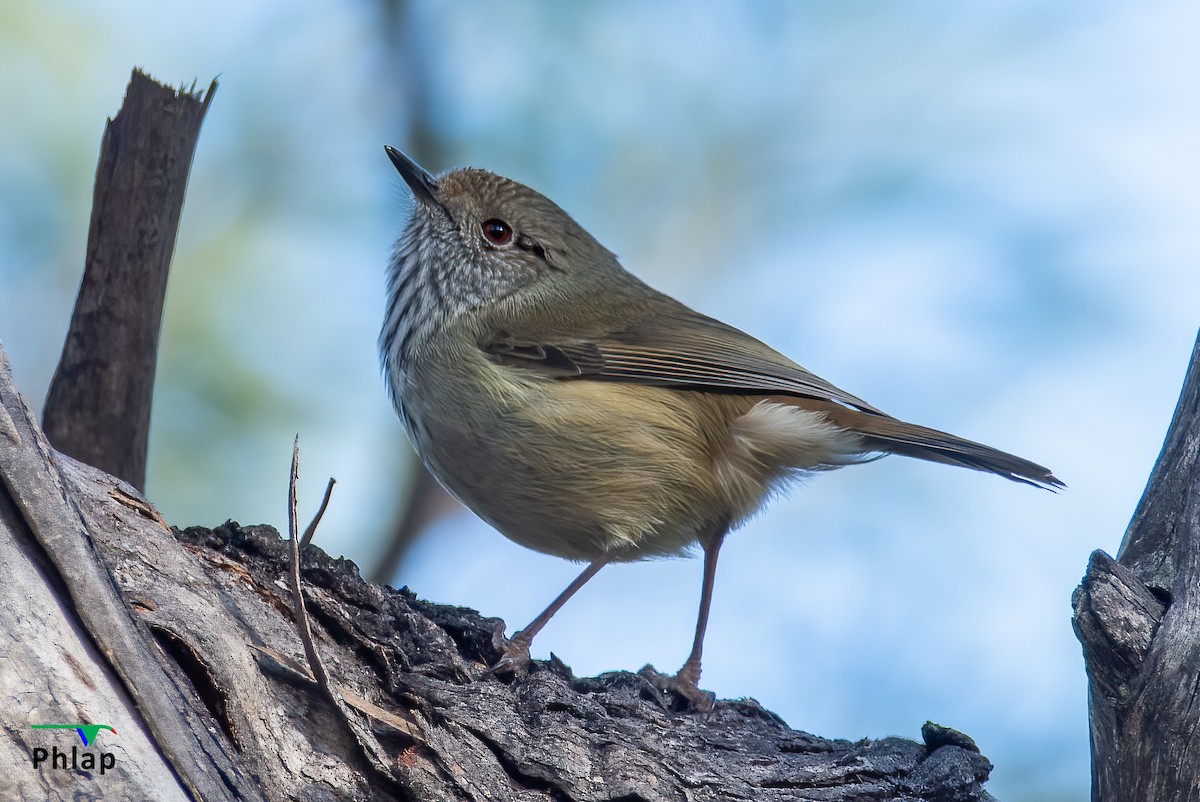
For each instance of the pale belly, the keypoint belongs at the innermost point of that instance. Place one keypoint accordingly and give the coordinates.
(577, 469)
(582, 469)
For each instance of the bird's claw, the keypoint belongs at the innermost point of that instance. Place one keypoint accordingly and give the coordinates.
(514, 658)
(685, 686)
(698, 700)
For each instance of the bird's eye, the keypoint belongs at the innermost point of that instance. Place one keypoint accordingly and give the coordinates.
(497, 232)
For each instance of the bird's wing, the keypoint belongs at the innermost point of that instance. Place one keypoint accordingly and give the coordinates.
(687, 350)
(675, 348)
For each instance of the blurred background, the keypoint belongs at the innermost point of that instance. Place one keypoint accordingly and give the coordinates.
(978, 217)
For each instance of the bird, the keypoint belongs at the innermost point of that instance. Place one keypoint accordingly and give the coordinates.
(586, 415)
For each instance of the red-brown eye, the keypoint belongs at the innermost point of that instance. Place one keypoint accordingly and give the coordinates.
(497, 232)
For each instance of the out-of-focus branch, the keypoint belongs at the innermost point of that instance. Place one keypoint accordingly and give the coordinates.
(408, 68)
(424, 503)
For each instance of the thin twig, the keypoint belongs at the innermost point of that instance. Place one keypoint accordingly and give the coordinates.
(302, 623)
(377, 757)
(312, 527)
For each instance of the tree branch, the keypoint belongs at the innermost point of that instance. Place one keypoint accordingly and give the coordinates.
(49, 534)
(98, 406)
(1138, 619)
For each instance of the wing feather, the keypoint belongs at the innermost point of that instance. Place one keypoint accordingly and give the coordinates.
(679, 349)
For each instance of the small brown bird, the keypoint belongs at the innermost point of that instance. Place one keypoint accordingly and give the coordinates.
(584, 414)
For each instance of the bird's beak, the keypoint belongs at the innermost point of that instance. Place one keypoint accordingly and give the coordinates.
(423, 185)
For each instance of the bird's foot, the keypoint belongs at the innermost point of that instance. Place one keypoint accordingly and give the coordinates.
(685, 686)
(514, 656)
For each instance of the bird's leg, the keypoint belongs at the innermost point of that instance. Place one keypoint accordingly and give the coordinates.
(516, 650)
(686, 682)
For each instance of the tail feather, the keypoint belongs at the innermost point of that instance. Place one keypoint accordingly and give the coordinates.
(893, 436)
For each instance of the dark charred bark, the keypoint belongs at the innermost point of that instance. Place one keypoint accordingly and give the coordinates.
(98, 406)
(1138, 618)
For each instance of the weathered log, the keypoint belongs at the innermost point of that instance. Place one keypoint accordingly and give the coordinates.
(185, 643)
(72, 649)
(1138, 618)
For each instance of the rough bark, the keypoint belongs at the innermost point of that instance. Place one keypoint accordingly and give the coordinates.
(185, 643)
(73, 649)
(98, 405)
(1138, 618)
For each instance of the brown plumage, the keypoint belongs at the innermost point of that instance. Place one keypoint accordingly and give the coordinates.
(586, 415)
(683, 349)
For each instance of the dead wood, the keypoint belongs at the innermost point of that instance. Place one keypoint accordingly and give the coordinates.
(1138, 618)
(98, 406)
